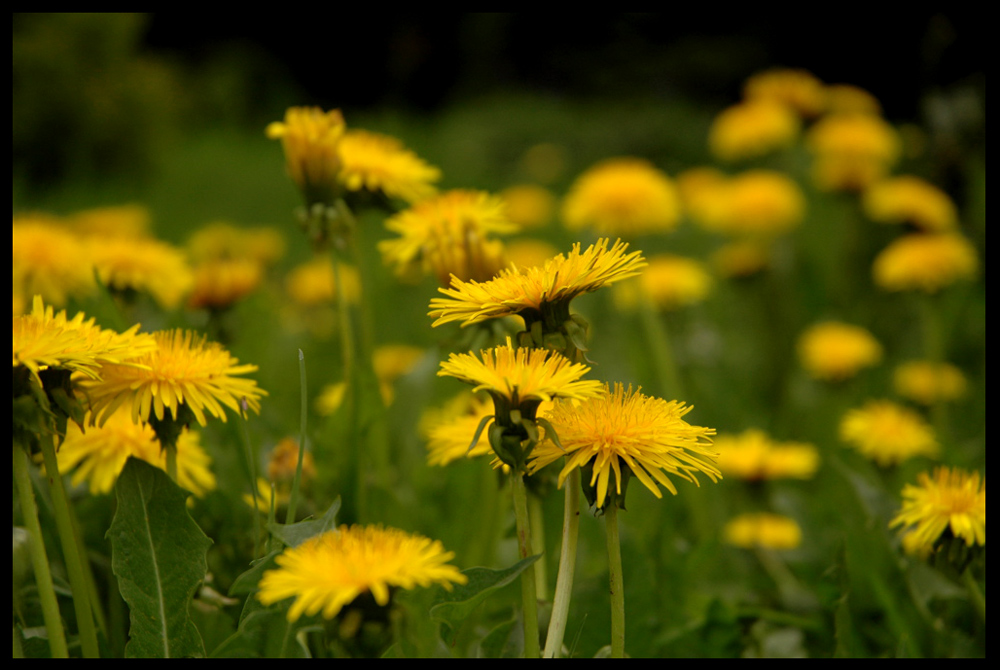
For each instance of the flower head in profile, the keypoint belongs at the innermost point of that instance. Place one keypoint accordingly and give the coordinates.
(753, 128)
(929, 383)
(888, 433)
(185, 370)
(754, 456)
(49, 260)
(669, 282)
(626, 433)
(951, 501)
(909, 199)
(144, 266)
(310, 138)
(448, 431)
(327, 572)
(925, 262)
(622, 196)
(381, 164)
(834, 351)
(763, 529)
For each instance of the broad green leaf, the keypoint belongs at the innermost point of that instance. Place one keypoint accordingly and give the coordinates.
(505, 641)
(261, 634)
(295, 534)
(247, 581)
(158, 555)
(454, 607)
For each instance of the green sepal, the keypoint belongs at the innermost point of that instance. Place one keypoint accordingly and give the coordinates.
(479, 432)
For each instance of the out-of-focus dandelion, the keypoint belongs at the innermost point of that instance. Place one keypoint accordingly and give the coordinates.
(382, 164)
(146, 266)
(951, 500)
(752, 129)
(852, 151)
(390, 362)
(850, 99)
(49, 260)
(754, 456)
(314, 283)
(834, 351)
(310, 138)
(760, 203)
(220, 240)
(529, 205)
(764, 530)
(741, 258)
(218, 284)
(669, 282)
(929, 383)
(925, 262)
(888, 433)
(132, 221)
(909, 199)
(798, 89)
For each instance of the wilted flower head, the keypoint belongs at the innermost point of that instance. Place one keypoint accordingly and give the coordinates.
(925, 262)
(888, 433)
(834, 351)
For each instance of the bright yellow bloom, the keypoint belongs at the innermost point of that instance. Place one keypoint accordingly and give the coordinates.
(624, 428)
(329, 571)
(797, 89)
(143, 265)
(449, 234)
(753, 455)
(852, 151)
(909, 199)
(834, 351)
(379, 163)
(849, 99)
(953, 499)
(314, 283)
(888, 433)
(756, 202)
(622, 196)
(929, 383)
(184, 370)
(131, 221)
(925, 262)
(310, 138)
(49, 260)
(532, 292)
(751, 129)
(670, 282)
(221, 283)
(529, 205)
(762, 529)
(449, 430)
(221, 240)
(741, 258)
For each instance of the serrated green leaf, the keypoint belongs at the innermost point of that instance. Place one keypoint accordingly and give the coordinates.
(454, 607)
(158, 554)
(295, 534)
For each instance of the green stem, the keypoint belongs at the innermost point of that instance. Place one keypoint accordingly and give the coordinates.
(251, 459)
(71, 552)
(293, 501)
(658, 346)
(567, 566)
(538, 545)
(975, 595)
(617, 582)
(528, 591)
(171, 461)
(39, 559)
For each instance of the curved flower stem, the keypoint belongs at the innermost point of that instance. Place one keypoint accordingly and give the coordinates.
(567, 566)
(528, 592)
(617, 582)
(39, 559)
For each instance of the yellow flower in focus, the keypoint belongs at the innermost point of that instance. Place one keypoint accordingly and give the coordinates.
(952, 500)
(327, 572)
(143, 265)
(392, 361)
(536, 291)
(797, 89)
(130, 221)
(925, 262)
(310, 139)
(219, 284)
(619, 430)
(754, 456)
(757, 202)
(834, 351)
(379, 163)
(852, 151)
(314, 283)
(909, 199)
(670, 282)
(751, 129)
(929, 383)
(224, 241)
(888, 433)
(623, 197)
(741, 258)
(184, 370)
(49, 260)
(449, 431)
(762, 529)
(849, 99)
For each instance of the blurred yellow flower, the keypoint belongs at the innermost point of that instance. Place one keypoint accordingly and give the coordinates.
(392, 361)
(762, 529)
(797, 89)
(698, 188)
(852, 151)
(756, 202)
(142, 265)
(929, 383)
(528, 252)
(754, 456)
(741, 258)
(131, 221)
(450, 429)
(529, 205)
(952, 499)
(850, 99)
(834, 351)
(330, 398)
(380, 163)
(219, 284)
(909, 199)
(670, 282)
(925, 262)
(310, 139)
(224, 241)
(49, 260)
(888, 433)
(284, 459)
(327, 572)
(313, 283)
(624, 197)
(751, 129)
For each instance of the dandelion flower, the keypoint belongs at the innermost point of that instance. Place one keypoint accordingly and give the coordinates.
(330, 398)
(951, 499)
(329, 571)
(529, 205)
(755, 203)
(184, 370)
(741, 258)
(220, 240)
(130, 221)
(852, 151)
(528, 252)
(392, 361)
(763, 529)
(624, 429)
(670, 282)
(310, 139)
(379, 163)
(888, 433)
(797, 89)
(284, 461)
(314, 283)
(219, 284)
(850, 99)
(929, 383)
(49, 260)
(834, 351)
(622, 196)
(925, 262)
(909, 199)
(448, 431)
(143, 265)
(751, 129)
(753, 455)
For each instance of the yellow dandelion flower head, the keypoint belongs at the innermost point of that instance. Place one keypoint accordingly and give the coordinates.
(330, 398)
(310, 139)
(756, 202)
(314, 283)
(753, 128)
(852, 151)
(44, 339)
(392, 361)
(49, 260)
(185, 370)
(741, 258)
(132, 221)
(888, 433)
(850, 99)
(220, 283)
(448, 431)
(929, 383)
(373, 162)
(539, 289)
(529, 205)
(834, 351)
(224, 241)
(625, 428)
(622, 196)
(699, 188)
(284, 460)
(669, 281)
(143, 265)
(925, 262)
(909, 199)
(329, 571)
(798, 89)
(762, 529)
(754, 456)
(952, 499)
(528, 252)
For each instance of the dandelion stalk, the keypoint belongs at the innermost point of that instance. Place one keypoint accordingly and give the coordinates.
(293, 501)
(39, 559)
(538, 545)
(528, 590)
(567, 567)
(617, 582)
(252, 469)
